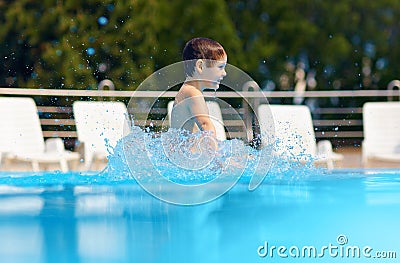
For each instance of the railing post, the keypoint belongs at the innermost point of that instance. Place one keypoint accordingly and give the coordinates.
(106, 83)
(393, 84)
(252, 126)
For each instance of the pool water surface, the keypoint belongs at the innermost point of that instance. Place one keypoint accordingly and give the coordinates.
(342, 216)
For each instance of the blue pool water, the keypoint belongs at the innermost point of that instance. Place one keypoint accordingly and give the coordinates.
(298, 214)
(81, 217)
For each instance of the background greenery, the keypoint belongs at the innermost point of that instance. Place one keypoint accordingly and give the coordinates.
(348, 44)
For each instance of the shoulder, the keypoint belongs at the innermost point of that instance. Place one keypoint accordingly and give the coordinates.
(189, 91)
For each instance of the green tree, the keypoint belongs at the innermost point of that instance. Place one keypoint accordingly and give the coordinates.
(335, 38)
(350, 44)
(183, 20)
(75, 44)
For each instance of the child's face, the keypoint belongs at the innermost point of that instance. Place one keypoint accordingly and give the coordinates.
(213, 75)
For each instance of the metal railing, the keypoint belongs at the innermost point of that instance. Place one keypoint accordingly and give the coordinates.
(332, 120)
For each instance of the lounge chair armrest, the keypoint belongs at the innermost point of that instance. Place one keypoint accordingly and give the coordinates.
(365, 151)
(55, 145)
(324, 147)
(325, 150)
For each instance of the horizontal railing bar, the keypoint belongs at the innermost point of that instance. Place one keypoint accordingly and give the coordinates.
(65, 92)
(348, 122)
(54, 109)
(229, 111)
(220, 94)
(337, 110)
(342, 134)
(227, 123)
(233, 135)
(57, 122)
(355, 134)
(66, 109)
(63, 134)
(233, 122)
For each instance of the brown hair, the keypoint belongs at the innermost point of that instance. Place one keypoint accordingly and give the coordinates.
(201, 48)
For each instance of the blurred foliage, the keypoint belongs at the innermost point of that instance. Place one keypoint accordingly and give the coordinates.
(348, 44)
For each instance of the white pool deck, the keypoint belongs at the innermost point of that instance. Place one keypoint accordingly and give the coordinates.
(352, 159)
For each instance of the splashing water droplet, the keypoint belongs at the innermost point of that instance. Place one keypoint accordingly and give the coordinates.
(90, 51)
(102, 20)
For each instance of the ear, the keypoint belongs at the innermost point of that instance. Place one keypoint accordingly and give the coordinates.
(199, 66)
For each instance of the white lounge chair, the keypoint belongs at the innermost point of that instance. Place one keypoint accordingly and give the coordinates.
(99, 126)
(21, 136)
(293, 137)
(216, 117)
(381, 122)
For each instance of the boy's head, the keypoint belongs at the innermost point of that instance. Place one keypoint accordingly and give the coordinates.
(201, 48)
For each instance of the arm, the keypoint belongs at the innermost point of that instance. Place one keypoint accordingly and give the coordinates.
(199, 110)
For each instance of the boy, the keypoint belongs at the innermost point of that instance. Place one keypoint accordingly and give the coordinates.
(204, 61)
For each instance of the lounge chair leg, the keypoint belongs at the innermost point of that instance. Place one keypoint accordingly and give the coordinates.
(64, 166)
(35, 166)
(364, 162)
(89, 164)
(329, 164)
(6, 163)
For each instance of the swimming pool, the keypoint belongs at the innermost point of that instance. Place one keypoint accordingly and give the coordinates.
(324, 216)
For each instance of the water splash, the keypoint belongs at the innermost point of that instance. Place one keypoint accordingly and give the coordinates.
(146, 152)
(90, 51)
(102, 20)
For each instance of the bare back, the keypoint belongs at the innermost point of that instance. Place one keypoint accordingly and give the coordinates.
(190, 111)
